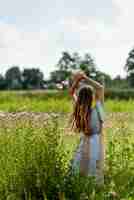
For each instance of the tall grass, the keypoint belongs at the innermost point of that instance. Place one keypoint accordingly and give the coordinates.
(32, 162)
(35, 164)
(119, 105)
(52, 102)
(35, 102)
(35, 161)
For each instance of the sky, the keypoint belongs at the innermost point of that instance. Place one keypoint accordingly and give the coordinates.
(33, 33)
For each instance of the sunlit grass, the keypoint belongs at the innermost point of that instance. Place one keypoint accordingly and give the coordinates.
(35, 157)
(36, 160)
(52, 102)
(119, 105)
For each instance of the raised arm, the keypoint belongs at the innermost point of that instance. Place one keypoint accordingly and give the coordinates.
(74, 86)
(99, 89)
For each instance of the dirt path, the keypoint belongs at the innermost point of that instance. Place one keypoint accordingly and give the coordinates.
(37, 119)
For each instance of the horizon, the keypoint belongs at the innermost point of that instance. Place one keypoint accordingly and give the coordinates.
(47, 75)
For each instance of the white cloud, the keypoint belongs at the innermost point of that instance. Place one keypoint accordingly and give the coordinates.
(42, 45)
(25, 48)
(106, 43)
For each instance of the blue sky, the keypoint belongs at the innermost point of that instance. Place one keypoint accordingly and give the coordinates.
(33, 33)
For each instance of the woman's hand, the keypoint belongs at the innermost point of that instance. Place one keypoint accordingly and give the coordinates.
(76, 79)
(79, 76)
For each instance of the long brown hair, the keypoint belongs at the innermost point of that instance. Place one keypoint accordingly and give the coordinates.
(82, 111)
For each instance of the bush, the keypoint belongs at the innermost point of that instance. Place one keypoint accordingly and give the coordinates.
(123, 94)
(32, 161)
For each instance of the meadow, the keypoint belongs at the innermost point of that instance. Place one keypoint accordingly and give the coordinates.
(37, 145)
(51, 101)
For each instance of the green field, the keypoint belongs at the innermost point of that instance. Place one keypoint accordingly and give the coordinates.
(51, 101)
(35, 151)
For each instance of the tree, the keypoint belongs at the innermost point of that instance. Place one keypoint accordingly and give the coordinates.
(32, 79)
(64, 67)
(119, 82)
(129, 67)
(87, 64)
(103, 78)
(3, 84)
(58, 76)
(13, 78)
(65, 62)
(76, 61)
(70, 62)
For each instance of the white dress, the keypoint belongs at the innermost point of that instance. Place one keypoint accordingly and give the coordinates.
(89, 156)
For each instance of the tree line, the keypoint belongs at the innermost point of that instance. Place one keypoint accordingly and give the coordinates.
(27, 79)
(33, 78)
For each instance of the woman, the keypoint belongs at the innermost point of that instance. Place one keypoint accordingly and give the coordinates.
(88, 118)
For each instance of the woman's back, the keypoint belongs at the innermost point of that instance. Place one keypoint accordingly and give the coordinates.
(88, 118)
(97, 117)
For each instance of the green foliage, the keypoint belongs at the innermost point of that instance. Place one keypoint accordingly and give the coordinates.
(129, 67)
(13, 78)
(120, 160)
(119, 83)
(120, 94)
(87, 64)
(119, 106)
(67, 63)
(58, 76)
(57, 102)
(35, 101)
(32, 161)
(32, 78)
(35, 163)
(3, 83)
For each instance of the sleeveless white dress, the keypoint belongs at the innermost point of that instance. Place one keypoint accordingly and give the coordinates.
(89, 156)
